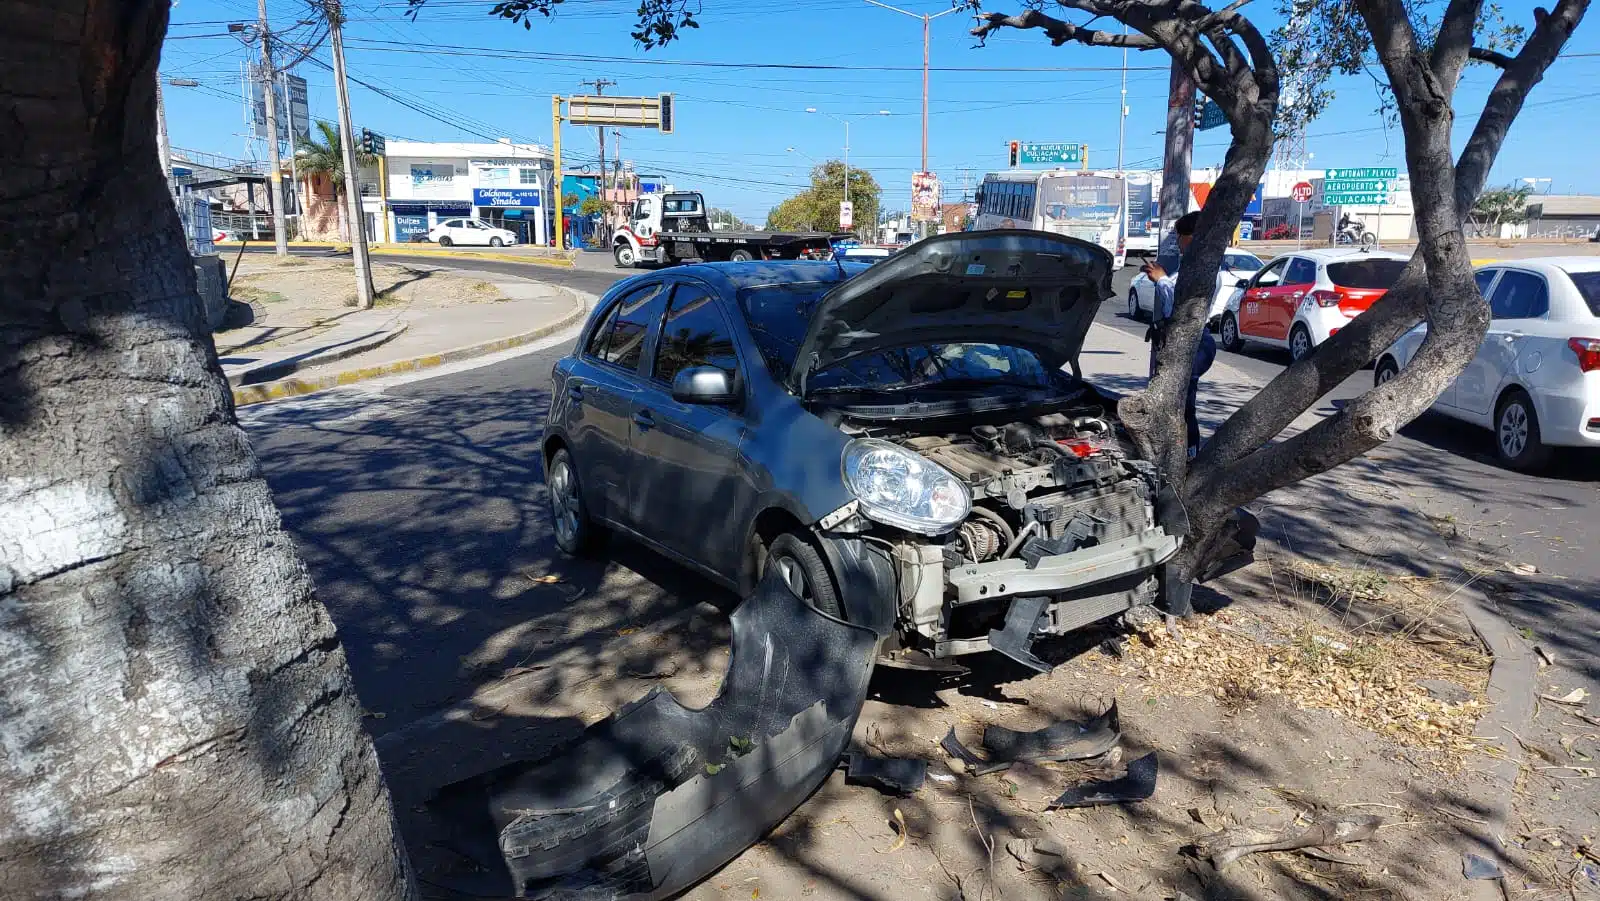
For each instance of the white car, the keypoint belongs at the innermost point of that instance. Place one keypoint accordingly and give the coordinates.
(1302, 299)
(1236, 265)
(1536, 379)
(470, 232)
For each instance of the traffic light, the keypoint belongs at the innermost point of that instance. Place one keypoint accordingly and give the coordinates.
(1016, 152)
(366, 141)
(1199, 110)
(665, 122)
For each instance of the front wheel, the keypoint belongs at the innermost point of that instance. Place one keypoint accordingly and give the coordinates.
(803, 570)
(496, 242)
(625, 256)
(1517, 438)
(444, 240)
(1300, 345)
(1232, 341)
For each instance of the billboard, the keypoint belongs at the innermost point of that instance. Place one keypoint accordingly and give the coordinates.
(289, 99)
(1141, 208)
(924, 197)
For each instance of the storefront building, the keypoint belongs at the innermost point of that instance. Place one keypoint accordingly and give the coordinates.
(504, 184)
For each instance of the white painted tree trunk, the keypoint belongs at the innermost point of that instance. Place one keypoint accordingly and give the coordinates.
(177, 719)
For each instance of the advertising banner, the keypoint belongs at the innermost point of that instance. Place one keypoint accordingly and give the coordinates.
(924, 197)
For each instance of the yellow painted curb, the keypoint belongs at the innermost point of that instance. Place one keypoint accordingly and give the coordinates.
(1484, 262)
(292, 387)
(418, 250)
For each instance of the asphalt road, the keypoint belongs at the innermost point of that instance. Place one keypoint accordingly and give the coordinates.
(445, 469)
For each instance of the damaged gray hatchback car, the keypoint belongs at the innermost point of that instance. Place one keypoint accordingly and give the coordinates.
(910, 445)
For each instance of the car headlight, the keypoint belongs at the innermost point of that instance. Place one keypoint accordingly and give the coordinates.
(903, 489)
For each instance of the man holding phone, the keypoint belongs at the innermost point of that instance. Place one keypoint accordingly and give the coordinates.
(1163, 274)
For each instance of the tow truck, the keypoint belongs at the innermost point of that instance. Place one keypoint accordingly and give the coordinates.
(673, 228)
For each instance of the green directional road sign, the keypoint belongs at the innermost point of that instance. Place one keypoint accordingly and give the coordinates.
(1051, 154)
(1342, 174)
(1354, 185)
(1358, 198)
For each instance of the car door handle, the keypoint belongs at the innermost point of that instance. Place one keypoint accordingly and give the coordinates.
(645, 420)
(575, 391)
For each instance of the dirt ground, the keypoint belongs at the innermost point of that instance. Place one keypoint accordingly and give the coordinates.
(299, 298)
(1299, 691)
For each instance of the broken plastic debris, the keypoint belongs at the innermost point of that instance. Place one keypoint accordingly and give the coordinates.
(894, 775)
(1137, 785)
(1476, 866)
(1229, 845)
(1066, 740)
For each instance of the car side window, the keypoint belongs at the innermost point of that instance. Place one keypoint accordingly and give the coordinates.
(1301, 272)
(695, 334)
(1485, 278)
(1519, 295)
(637, 314)
(1270, 276)
(597, 341)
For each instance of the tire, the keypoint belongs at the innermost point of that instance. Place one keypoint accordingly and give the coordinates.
(1300, 345)
(1368, 240)
(496, 242)
(1386, 370)
(624, 255)
(740, 255)
(576, 534)
(1232, 341)
(1516, 433)
(803, 568)
(1133, 305)
(444, 240)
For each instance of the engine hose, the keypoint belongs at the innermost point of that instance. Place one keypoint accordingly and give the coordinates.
(996, 520)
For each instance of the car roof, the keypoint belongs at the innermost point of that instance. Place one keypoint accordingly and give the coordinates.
(1337, 254)
(761, 273)
(1565, 264)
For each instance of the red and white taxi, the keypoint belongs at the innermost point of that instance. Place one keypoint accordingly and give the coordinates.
(1301, 299)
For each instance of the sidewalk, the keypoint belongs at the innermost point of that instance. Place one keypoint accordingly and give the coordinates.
(546, 256)
(378, 342)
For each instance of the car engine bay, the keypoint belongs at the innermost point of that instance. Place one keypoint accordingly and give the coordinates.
(1054, 497)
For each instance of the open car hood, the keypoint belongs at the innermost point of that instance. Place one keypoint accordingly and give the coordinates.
(1014, 287)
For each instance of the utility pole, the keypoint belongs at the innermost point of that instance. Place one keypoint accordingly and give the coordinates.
(1180, 146)
(600, 85)
(1122, 109)
(162, 141)
(269, 93)
(347, 148)
(922, 227)
(555, 153)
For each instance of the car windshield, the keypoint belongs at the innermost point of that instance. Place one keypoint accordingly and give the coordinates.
(1366, 273)
(1589, 286)
(1241, 262)
(778, 317)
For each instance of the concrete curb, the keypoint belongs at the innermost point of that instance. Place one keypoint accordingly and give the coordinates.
(431, 250)
(1512, 693)
(282, 368)
(292, 387)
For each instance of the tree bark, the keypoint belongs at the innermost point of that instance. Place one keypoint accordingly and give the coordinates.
(177, 719)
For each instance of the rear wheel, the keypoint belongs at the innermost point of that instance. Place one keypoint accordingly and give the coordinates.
(1300, 345)
(444, 240)
(1386, 371)
(740, 255)
(803, 570)
(576, 534)
(1133, 305)
(1517, 438)
(1368, 240)
(625, 256)
(1232, 341)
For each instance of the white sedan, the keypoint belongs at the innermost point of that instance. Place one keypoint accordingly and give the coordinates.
(1536, 379)
(1236, 265)
(471, 232)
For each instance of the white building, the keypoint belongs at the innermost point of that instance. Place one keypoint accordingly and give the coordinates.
(506, 185)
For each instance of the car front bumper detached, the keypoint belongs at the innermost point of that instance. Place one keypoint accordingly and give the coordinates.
(655, 798)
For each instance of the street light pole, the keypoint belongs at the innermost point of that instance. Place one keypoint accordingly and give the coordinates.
(926, 19)
(269, 94)
(812, 109)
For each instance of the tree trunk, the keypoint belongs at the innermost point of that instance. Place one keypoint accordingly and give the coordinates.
(177, 719)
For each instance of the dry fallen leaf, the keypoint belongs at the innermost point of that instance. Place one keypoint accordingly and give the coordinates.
(900, 829)
(1575, 697)
(546, 580)
(1522, 569)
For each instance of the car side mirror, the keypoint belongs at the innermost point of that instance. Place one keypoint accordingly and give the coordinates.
(705, 385)
(1242, 283)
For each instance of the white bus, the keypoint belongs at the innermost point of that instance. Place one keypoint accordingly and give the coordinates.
(1091, 206)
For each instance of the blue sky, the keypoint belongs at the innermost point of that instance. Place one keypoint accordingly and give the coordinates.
(481, 78)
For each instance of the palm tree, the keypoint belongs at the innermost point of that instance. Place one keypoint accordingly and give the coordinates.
(326, 157)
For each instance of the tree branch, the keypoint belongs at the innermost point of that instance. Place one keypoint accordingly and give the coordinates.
(1454, 41)
(1494, 57)
(1059, 31)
